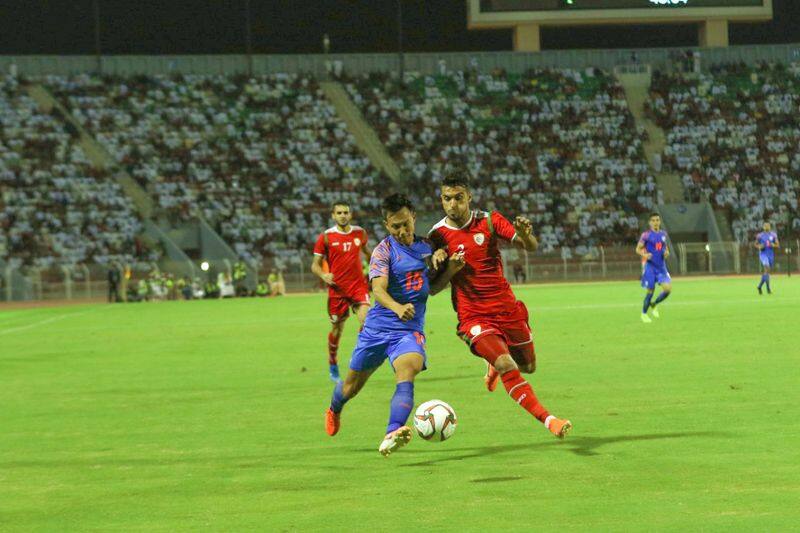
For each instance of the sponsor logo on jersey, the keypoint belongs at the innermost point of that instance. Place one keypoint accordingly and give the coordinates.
(479, 238)
(334, 244)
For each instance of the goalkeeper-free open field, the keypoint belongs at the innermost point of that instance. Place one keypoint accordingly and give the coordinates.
(208, 415)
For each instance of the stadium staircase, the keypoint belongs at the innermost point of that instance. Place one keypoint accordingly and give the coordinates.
(637, 91)
(724, 225)
(196, 239)
(95, 151)
(366, 138)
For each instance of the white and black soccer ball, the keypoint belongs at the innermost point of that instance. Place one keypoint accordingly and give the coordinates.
(435, 420)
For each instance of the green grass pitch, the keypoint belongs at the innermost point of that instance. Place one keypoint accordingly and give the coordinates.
(208, 415)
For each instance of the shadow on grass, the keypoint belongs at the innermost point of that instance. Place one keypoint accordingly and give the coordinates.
(497, 479)
(584, 446)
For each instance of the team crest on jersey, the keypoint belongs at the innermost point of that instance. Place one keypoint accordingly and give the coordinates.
(475, 331)
(479, 238)
(357, 241)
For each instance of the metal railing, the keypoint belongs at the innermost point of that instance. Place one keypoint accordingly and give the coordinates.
(84, 282)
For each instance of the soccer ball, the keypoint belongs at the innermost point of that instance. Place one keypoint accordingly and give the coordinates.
(435, 420)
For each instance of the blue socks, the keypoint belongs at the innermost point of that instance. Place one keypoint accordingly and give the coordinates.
(661, 297)
(646, 305)
(338, 399)
(401, 406)
(764, 280)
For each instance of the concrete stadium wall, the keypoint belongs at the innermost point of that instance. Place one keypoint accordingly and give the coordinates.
(427, 63)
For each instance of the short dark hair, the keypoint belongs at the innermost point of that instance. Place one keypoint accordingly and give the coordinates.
(394, 203)
(339, 202)
(654, 214)
(456, 178)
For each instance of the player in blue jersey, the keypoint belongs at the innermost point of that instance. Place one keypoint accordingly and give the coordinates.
(653, 248)
(766, 242)
(400, 273)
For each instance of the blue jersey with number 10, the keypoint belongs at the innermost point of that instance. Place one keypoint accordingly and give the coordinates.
(407, 271)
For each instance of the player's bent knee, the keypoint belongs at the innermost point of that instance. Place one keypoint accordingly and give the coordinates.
(407, 366)
(505, 363)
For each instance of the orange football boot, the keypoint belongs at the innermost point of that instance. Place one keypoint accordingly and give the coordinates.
(331, 422)
(559, 427)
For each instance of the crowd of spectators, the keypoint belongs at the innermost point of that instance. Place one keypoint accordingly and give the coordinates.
(733, 136)
(261, 158)
(56, 209)
(559, 146)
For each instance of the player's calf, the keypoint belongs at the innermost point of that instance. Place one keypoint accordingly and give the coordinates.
(525, 357)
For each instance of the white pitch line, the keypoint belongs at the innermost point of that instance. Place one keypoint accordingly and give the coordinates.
(42, 322)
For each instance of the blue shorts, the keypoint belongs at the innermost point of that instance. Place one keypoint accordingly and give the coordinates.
(767, 260)
(374, 346)
(652, 275)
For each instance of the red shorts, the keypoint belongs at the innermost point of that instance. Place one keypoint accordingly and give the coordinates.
(512, 327)
(340, 302)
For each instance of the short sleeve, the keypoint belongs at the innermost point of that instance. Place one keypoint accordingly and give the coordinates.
(502, 227)
(643, 238)
(364, 238)
(319, 246)
(436, 239)
(379, 262)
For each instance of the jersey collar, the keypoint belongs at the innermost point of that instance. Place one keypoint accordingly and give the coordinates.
(466, 224)
(336, 229)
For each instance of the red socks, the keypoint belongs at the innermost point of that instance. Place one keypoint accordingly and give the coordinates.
(333, 347)
(522, 393)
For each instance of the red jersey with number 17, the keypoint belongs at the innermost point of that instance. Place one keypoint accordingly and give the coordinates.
(479, 289)
(343, 253)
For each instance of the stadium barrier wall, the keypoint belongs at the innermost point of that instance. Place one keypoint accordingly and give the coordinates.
(82, 282)
(426, 63)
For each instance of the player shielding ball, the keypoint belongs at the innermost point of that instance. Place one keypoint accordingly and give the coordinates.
(766, 242)
(394, 329)
(490, 319)
(342, 246)
(653, 249)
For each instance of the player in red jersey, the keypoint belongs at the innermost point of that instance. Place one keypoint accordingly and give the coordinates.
(490, 319)
(342, 246)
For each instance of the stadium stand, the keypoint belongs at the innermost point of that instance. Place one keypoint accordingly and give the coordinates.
(733, 135)
(55, 208)
(260, 158)
(557, 145)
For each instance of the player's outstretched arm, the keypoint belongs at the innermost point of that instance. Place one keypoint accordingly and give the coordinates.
(454, 264)
(316, 268)
(380, 286)
(525, 237)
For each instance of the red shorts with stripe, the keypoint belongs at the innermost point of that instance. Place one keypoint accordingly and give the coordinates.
(340, 301)
(512, 327)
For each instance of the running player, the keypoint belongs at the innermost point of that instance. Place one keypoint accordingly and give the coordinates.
(399, 274)
(652, 246)
(490, 319)
(342, 245)
(766, 242)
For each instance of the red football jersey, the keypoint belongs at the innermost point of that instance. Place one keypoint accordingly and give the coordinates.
(480, 288)
(343, 253)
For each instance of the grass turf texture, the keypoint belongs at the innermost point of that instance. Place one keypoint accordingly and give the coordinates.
(209, 414)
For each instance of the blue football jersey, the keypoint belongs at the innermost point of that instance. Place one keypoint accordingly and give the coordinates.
(655, 242)
(407, 271)
(767, 239)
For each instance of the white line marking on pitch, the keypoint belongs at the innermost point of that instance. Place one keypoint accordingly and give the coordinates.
(42, 322)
